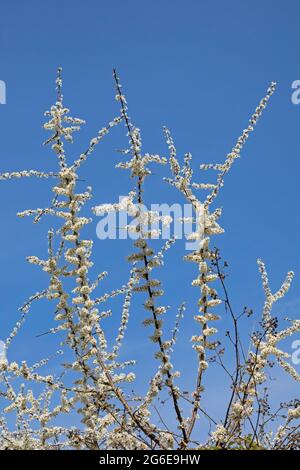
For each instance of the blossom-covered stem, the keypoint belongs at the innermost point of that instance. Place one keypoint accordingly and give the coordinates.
(160, 342)
(57, 138)
(144, 249)
(208, 296)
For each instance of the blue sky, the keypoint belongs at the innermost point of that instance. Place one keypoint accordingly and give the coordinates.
(198, 67)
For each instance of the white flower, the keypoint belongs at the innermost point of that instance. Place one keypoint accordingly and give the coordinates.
(209, 331)
(220, 434)
(294, 413)
(2, 351)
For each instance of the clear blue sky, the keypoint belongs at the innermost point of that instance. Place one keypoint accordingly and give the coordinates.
(199, 67)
